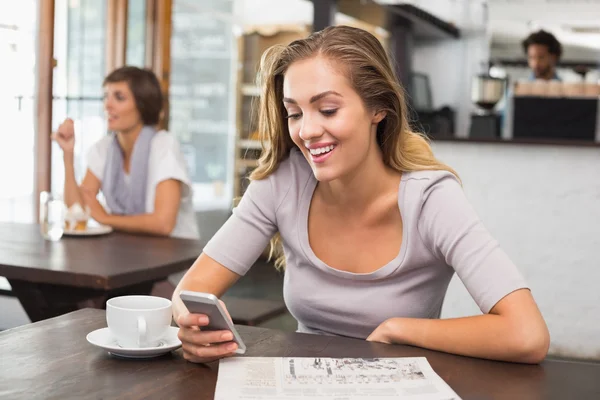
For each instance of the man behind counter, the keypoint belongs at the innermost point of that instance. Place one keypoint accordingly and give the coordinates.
(543, 51)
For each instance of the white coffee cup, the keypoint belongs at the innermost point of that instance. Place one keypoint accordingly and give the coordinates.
(138, 321)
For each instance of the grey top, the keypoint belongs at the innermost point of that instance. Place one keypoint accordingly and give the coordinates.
(442, 234)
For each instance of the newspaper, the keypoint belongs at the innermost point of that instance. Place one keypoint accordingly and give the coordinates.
(267, 378)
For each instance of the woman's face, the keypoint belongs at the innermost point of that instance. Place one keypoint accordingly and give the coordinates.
(327, 119)
(121, 111)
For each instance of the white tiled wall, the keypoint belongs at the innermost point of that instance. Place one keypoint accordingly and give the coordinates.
(543, 205)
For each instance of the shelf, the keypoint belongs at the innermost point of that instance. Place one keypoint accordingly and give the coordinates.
(424, 25)
(252, 44)
(250, 144)
(247, 163)
(522, 62)
(250, 90)
(274, 29)
(183, 54)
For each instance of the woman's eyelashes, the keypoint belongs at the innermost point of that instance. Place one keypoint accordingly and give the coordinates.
(327, 113)
(292, 116)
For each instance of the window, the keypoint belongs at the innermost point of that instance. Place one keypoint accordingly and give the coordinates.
(79, 48)
(136, 33)
(18, 30)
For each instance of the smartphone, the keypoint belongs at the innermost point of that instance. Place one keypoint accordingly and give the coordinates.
(208, 304)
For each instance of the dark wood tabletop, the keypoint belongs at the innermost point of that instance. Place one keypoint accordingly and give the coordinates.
(99, 262)
(52, 359)
(49, 278)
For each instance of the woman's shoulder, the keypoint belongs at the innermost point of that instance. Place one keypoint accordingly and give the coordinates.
(420, 186)
(294, 168)
(289, 179)
(101, 147)
(164, 139)
(432, 178)
(164, 146)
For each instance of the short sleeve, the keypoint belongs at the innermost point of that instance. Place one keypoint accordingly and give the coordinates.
(246, 234)
(167, 162)
(453, 231)
(96, 157)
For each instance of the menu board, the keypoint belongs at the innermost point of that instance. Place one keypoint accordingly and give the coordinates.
(202, 91)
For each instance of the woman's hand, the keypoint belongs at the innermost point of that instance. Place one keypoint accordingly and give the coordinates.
(203, 346)
(97, 212)
(65, 136)
(386, 332)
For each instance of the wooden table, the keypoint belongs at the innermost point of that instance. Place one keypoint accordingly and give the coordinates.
(52, 359)
(53, 278)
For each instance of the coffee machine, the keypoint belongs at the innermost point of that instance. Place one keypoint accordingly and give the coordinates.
(486, 92)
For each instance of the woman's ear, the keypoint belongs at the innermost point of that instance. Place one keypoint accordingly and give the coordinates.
(379, 116)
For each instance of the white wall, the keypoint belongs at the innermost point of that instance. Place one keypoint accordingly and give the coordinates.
(542, 203)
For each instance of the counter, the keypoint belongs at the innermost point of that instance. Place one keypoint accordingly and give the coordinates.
(542, 203)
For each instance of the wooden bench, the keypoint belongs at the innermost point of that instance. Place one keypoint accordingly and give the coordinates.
(251, 312)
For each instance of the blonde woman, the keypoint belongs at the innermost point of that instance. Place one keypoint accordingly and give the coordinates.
(372, 225)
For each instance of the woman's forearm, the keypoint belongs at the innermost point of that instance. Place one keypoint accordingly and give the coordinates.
(484, 336)
(71, 194)
(206, 275)
(177, 305)
(144, 223)
(187, 283)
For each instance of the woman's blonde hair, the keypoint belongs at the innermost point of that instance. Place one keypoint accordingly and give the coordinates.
(370, 73)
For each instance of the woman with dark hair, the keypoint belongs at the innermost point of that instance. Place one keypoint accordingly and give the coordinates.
(373, 226)
(140, 170)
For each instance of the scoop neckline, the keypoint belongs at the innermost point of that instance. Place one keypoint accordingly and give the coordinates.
(302, 229)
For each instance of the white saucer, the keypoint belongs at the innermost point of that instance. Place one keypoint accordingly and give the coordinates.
(89, 231)
(104, 339)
